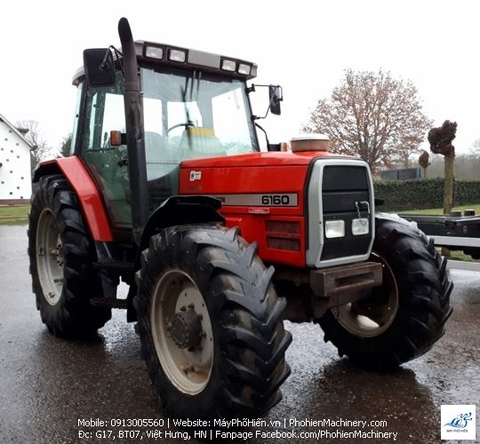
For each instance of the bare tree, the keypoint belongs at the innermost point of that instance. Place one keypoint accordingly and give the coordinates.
(440, 140)
(371, 115)
(34, 135)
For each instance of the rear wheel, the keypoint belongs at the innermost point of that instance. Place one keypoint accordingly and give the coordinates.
(61, 255)
(210, 324)
(404, 317)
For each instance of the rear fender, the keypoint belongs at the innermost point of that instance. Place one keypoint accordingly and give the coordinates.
(87, 193)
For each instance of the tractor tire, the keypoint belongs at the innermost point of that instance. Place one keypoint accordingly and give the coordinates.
(61, 256)
(210, 324)
(406, 315)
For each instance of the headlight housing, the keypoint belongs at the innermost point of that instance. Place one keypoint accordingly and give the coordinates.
(360, 226)
(334, 228)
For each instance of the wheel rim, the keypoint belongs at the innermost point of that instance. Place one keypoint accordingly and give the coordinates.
(187, 366)
(373, 315)
(50, 261)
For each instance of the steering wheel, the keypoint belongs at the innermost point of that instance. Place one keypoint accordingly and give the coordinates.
(185, 124)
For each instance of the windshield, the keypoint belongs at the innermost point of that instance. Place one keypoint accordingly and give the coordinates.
(193, 115)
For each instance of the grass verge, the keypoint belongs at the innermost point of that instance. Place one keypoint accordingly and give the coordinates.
(13, 214)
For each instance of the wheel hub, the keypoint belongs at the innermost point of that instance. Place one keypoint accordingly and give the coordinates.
(182, 332)
(50, 259)
(185, 328)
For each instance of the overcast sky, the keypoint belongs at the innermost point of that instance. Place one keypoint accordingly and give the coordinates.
(304, 45)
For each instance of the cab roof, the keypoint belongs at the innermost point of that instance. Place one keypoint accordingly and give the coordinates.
(178, 57)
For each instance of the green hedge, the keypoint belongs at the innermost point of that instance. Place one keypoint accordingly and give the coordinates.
(407, 195)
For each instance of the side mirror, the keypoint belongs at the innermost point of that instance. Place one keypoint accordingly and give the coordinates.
(99, 67)
(275, 94)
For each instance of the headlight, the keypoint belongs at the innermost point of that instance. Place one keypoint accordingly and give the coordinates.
(244, 69)
(334, 228)
(177, 55)
(229, 65)
(360, 226)
(154, 52)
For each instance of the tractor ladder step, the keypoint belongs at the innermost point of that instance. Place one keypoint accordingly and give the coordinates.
(119, 266)
(109, 303)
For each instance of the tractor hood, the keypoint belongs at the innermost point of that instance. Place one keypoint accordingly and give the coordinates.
(265, 172)
(281, 199)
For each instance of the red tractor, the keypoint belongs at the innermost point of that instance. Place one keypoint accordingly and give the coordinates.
(167, 190)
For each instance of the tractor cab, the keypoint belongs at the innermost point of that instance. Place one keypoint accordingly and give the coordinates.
(192, 104)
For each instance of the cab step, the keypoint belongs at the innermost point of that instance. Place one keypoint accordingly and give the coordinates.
(119, 266)
(109, 303)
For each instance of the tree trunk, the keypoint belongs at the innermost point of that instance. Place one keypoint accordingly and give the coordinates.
(448, 187)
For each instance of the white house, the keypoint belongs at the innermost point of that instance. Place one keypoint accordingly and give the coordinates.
(15, 170)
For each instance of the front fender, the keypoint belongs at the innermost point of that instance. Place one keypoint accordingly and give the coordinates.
(181, 210)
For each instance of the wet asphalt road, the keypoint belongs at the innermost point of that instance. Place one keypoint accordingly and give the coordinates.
(47, 385)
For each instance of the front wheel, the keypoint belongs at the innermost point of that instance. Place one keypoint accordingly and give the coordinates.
(210, 324)
(406, 315)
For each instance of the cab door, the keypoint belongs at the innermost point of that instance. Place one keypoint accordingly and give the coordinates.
(103, 113)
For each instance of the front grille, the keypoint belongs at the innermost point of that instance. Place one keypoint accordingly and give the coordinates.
(343, 188)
